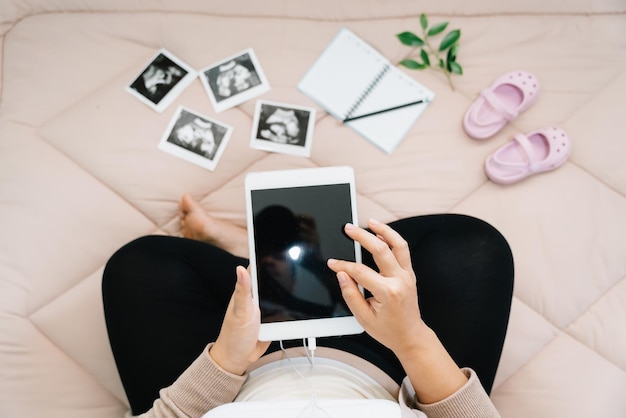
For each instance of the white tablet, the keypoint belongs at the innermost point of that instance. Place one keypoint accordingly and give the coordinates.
(295, 223)
(363, 408)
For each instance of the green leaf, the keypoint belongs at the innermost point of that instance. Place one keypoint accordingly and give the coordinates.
(425, 57)
(455, 68)
(410, 39)
(412, 64)
(437, 29)
(423, 21)
(441, 64)
(449, 40)
(452, 52)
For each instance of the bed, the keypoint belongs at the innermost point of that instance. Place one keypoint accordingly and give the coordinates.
(81, 174)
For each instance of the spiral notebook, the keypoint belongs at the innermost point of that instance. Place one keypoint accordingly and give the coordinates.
(351, 78)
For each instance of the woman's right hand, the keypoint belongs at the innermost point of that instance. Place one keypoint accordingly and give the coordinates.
(238, 344)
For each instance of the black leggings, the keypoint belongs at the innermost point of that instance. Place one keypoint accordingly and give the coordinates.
(165, 299)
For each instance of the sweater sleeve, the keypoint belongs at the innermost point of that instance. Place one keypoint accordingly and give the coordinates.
(470, 401)
(202, 387)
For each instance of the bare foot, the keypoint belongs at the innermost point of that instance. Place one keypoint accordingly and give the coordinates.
(197, 224)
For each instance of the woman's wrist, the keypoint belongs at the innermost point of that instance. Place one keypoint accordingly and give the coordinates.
(430, 368)
(420, 338)
(224, 360)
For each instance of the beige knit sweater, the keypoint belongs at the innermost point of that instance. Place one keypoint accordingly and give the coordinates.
(204, 386)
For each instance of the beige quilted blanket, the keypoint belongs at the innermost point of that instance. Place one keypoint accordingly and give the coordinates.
(81, 174)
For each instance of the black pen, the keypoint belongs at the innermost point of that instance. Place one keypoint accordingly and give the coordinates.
(383, 111)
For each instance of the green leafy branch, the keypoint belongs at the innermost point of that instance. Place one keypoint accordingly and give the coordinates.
(444, 55)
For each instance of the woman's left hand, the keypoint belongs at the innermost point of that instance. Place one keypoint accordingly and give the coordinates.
(238, 344)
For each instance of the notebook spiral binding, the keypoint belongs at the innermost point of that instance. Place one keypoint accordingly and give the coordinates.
(367, 91)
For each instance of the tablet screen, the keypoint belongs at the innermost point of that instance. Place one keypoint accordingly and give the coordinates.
(296, 229)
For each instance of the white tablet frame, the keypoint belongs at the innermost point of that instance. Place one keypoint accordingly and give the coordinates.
(296, 329)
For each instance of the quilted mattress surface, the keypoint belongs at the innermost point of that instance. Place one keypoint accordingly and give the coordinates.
(81, 175)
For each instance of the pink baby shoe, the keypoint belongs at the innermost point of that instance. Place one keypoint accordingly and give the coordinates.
(541, 150)
(510, 95)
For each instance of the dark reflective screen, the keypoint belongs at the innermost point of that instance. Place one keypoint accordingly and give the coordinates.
(296, 230)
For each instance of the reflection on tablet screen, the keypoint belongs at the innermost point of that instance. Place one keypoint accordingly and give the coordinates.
(296, 230)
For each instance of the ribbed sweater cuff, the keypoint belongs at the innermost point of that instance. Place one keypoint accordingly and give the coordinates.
(204, 386)
(469, 401)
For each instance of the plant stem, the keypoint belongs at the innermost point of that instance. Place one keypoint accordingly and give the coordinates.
(431, 52)
(449, 80)
(410, 54)
(435, 52)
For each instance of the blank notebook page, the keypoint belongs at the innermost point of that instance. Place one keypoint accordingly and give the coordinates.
(351, 78)
(387, 129)
(342, 74)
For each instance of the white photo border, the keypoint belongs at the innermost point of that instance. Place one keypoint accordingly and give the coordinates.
(265, 145)
(171, 95)
(243, 96)
(190, 156)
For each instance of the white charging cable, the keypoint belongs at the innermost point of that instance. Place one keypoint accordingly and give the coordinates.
(312, 409)
(311, 345)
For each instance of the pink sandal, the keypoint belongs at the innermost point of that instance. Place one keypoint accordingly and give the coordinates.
(541, 150)
(511, 94)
